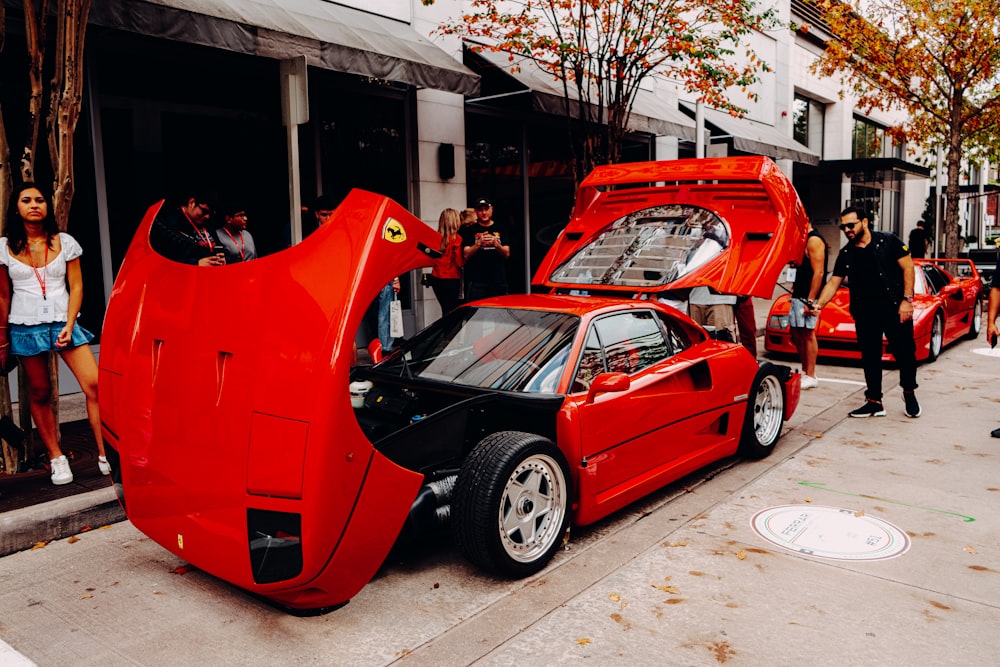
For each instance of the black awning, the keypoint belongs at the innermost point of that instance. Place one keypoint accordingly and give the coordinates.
(649, 113)
(867, 166)
(751, 136)
(331, 36)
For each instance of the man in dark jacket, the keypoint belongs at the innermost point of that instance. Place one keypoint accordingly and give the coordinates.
(181, 233)
(880, 278)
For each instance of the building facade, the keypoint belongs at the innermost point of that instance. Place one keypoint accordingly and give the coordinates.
(275, 102)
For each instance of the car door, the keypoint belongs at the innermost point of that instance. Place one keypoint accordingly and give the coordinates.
(669, 418)
(956, 303)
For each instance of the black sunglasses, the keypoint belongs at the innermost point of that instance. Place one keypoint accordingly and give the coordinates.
(844, 226)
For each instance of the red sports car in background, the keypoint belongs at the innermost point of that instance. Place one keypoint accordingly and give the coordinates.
(947, 305)
(236, 444)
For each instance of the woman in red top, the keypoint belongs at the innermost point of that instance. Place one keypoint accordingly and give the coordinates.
(446, 276)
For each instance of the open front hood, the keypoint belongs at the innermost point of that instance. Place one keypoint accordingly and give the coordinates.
(224, 391)
(731, 224)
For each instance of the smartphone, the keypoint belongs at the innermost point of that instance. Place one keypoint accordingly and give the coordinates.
(217, 249)
(993, 341)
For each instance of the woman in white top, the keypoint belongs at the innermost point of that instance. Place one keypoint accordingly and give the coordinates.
(46, 293)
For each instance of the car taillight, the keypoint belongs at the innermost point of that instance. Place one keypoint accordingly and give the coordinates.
(778, 322)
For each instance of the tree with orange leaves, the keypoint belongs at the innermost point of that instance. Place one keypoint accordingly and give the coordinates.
(938, 61)
(601, 52)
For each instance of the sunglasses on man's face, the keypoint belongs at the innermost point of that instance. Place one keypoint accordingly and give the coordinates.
(844, 226)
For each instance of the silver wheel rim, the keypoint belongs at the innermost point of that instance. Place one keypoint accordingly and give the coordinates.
(532, 508)
(936, 335)
(768, 411)
(977, 317)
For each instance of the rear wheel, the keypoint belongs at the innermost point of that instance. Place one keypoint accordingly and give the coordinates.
(765, 414)
(937, 337)
(511, 503)
(977, 320)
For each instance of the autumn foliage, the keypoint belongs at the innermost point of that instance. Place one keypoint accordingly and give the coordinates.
(938, 61)
(601, 52)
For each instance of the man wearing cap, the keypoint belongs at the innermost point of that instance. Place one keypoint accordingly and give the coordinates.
(486, 254)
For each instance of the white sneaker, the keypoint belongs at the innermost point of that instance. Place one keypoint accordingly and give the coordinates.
(103, 465)
(809, 382)
(61, 474)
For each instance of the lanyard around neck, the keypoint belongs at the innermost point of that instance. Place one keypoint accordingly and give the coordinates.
(41, 276)
(239, 245)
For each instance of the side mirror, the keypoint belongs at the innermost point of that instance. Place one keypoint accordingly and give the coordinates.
(608, 382)
(375, 350)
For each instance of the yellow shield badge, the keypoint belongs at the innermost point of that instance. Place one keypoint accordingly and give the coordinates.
(393, 231)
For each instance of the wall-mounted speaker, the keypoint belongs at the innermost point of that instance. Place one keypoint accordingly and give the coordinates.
(446, 161)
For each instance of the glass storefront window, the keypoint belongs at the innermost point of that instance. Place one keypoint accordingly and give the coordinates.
(807, 122)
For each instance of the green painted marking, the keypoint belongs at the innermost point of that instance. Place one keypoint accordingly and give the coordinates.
(823, 487)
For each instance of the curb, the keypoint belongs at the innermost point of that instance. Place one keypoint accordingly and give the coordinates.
(22, 529)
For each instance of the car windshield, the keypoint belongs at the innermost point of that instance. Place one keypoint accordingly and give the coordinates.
(492, 348)
(648, 248)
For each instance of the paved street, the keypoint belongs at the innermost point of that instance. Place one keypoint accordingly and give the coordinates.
(681, 578)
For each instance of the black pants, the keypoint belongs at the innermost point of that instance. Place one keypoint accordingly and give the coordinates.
(479, 290)
(446, 292)
(871, 324)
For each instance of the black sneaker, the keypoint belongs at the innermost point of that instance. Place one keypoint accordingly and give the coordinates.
(871, 409)
(912, 407)
(995, 433)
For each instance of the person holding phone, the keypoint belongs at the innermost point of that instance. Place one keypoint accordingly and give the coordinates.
(39, 307)
(181, 232)
(485, 251)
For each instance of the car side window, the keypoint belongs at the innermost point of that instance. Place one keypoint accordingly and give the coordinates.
(677, 338)
(936, 278)
(591, 362)
(632, 341)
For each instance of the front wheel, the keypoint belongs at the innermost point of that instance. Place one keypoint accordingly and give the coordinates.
(511, 503)
(765, 415)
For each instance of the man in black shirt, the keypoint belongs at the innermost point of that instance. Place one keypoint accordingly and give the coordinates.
(992, 331)
(486, 254)
(880, 278)
(181, 233)
(919, 241)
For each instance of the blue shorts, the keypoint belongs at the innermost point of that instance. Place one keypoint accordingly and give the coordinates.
(797, 317)
(27, 340)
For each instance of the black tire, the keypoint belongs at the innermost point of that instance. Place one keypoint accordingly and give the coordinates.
(937, 337)
(511, 503)
(765, 413)
(976, 325)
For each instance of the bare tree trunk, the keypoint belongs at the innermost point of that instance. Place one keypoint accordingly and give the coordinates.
(952, 242)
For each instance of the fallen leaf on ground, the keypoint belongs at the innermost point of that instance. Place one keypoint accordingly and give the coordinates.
(85, 529)
(583, 641)
(809, 500)
(73, 539)
(859, 513)
(668, 589)
(614, 597)
(741, 554)
(182, 569)
(85, 597)
(971, 549)
(38, 545)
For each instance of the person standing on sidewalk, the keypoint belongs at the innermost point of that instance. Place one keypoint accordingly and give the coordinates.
(809, 279)
(993, 311)
(41, 314)
(485, 254)
(880, 278)
(446, 276)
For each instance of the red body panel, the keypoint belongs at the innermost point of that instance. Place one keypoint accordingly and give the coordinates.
(955, 302)
(242, 369)
(768, 223)
(224, 389)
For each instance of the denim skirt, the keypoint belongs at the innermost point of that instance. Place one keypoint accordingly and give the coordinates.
(27, 340)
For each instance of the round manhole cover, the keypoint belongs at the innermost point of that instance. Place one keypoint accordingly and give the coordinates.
(830, 532)
(987, 351)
